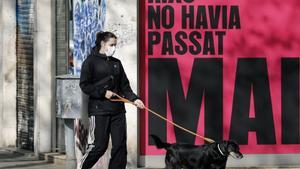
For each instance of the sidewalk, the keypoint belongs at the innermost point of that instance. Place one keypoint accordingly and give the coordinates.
(12, 159)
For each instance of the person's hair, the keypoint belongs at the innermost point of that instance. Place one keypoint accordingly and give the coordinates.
(104, 36)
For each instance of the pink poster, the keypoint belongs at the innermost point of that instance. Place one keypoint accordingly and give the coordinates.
(222, 69)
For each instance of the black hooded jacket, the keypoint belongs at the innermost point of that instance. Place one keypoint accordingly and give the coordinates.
(100, 73)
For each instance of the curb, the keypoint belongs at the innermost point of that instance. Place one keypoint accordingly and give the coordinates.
(55, 158)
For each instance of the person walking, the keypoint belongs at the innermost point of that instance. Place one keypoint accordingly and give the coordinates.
(102, 75)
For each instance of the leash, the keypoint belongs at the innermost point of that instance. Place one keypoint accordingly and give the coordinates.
(122, 99)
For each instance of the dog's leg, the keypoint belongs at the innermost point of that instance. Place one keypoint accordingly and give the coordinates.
(168, 167)
(175, 164)
(172, 165)
(171, 162)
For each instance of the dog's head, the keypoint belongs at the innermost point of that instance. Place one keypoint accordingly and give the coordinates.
(231, 148)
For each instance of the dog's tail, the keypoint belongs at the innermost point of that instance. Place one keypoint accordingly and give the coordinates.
(159, 143)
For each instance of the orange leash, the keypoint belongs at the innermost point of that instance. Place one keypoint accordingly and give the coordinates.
(122, 99)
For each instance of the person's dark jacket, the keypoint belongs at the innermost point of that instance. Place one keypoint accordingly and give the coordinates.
(100, 73)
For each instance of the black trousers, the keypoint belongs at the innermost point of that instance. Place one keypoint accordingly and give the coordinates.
(101, 127)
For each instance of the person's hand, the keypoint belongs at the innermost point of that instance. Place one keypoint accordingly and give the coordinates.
(109, 94)
(138, 103)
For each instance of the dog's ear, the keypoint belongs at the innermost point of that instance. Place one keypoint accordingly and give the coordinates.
(223, 145)
(233, 146)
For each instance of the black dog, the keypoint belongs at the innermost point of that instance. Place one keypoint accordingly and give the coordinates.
(208, 156)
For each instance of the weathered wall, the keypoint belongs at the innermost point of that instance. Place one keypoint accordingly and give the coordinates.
(7, 73)
(43, 75)
(1, 72)
(122, 20)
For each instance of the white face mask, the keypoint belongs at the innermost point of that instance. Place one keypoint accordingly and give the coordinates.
(110, 51)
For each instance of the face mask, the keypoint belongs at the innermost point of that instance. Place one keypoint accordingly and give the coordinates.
(110, 51)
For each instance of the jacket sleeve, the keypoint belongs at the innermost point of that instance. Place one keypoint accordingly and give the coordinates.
(125, 86)
(86, 83)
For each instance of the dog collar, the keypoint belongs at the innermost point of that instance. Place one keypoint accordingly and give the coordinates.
(220, 150)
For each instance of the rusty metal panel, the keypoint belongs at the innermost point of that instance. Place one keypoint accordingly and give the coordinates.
(25, 92)
(61, 37)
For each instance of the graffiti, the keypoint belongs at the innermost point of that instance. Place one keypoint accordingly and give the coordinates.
(68, 98)
(89, 18)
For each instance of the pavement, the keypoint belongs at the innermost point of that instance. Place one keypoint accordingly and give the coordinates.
(12, 158)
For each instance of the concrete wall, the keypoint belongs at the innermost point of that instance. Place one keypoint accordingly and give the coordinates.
(122, 20)
(43, 75)
(1, 72)
(7, 73)
(43, 71)
(119, 18)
